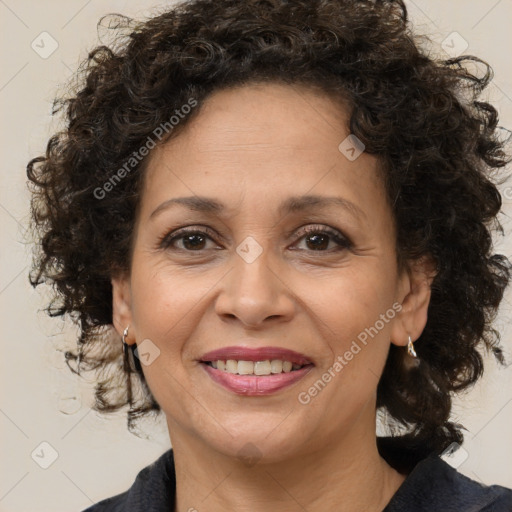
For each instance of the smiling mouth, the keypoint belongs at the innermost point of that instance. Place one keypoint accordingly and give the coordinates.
(255, 378)
(255, 368)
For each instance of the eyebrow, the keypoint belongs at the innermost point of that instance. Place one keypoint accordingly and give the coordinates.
(291, 205)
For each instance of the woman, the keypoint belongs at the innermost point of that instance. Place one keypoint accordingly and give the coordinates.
(284, 209)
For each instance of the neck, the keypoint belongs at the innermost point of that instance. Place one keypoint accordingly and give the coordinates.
(346, 474)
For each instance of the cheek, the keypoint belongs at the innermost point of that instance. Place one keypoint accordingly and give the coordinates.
(163, 305)
(354, 315)
(352, 300)
(164, 311)
(163, 297)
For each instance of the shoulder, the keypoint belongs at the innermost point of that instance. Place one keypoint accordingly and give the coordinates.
(153, 489)
(434, 485)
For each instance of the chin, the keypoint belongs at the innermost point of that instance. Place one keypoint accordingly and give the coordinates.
(258, 445)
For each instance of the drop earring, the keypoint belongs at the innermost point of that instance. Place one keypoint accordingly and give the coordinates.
(410, 349)
(125, 345)
(131, 355)
(128, 357)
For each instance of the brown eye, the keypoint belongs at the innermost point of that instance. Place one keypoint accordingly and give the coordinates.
(192, 240)
(318, 239)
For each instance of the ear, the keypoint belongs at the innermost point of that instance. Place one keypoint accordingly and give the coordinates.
(414, 290)
(121, 306)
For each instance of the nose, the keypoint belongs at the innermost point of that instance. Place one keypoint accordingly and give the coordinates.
(255, 294)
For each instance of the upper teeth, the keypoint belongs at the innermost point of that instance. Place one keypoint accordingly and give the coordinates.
(255, 367)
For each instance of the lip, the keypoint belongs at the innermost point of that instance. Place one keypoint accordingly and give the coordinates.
(256, 354)
(255, 385)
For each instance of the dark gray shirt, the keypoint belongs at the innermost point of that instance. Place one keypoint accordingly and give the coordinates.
(432, 486)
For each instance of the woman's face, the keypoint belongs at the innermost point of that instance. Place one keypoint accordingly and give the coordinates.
(255, 278)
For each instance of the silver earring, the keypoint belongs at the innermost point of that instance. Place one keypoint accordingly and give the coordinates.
(132, 363)
(128, 358)
(125, 334)
(410, 349)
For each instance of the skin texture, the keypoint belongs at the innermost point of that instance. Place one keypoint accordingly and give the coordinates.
(251, 148)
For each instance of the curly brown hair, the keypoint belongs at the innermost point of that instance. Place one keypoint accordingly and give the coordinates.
(419, 115)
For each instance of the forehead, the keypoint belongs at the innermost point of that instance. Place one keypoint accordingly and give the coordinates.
(266, 141)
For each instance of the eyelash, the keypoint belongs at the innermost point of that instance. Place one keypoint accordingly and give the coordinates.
(343, 242)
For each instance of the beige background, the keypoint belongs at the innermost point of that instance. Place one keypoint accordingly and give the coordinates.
(41, 401)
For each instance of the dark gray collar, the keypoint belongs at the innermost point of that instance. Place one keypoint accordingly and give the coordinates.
(432, 486)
